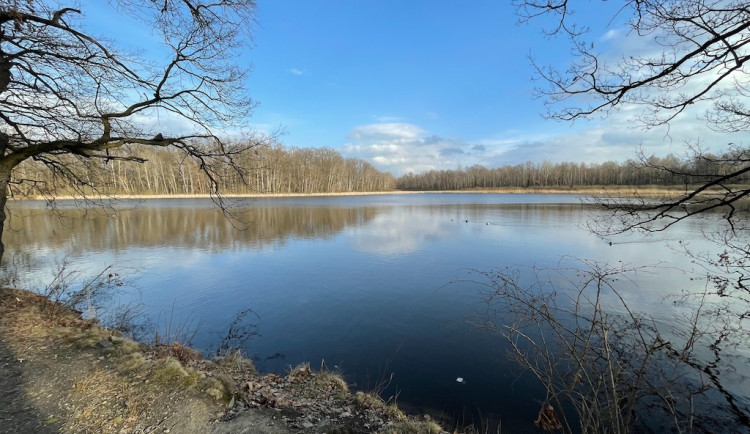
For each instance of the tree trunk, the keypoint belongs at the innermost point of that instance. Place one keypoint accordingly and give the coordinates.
(4, 180)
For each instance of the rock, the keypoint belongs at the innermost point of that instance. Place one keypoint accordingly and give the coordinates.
(104, 343)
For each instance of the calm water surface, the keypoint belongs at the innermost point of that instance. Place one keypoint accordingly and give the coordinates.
(363, 283)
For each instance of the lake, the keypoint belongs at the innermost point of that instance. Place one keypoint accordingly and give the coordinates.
(374, 287)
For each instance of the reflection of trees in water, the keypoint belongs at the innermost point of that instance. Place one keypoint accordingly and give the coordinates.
(78, 230)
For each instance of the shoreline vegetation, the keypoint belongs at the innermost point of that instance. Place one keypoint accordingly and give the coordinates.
(66, 374)
(604, 190)
(279, 170)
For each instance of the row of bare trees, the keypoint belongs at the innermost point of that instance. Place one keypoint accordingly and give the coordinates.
(167, 171)
(667, 171)
(274, 169)
(314, 170)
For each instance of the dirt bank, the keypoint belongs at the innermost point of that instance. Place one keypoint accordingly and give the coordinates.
(59, 373)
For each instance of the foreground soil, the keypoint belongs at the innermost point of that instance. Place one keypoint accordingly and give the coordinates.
(59, 373)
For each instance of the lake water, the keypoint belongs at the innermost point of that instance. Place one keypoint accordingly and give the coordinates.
(374, 286)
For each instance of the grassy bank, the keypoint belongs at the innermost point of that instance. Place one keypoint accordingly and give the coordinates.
(65, 374)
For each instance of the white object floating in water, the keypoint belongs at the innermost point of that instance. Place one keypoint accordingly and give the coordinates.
(460, 379)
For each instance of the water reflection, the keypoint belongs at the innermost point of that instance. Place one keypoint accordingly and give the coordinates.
(359, 282)
(398, 233)
(406, 231)
(30, 228)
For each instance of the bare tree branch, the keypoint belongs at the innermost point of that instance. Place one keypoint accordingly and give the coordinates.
(65, 91)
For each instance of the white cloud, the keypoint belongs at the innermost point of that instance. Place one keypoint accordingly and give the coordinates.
(615, 139)
(612, 34)
(397, 233)
(401, 147)
(386, 131)
(296, 71)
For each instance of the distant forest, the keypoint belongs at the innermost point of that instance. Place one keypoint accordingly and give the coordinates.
(667, 171)
(280, 170)
(270, 169)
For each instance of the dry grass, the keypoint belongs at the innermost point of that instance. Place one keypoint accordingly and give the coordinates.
(312, 384)
(89, 379)
(413, 427)
(185, 355)
(118, 405)
(371, 401)
(591, 190)
(235, 361)
(170, 372)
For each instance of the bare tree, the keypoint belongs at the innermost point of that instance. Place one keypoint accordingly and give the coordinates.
(68, 97)
(700, 56)
(697, 57)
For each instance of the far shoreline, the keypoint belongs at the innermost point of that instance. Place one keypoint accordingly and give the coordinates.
(628, 191)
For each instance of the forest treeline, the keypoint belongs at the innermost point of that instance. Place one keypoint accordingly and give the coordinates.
(166, 171)
(279, 170)
(666, 171)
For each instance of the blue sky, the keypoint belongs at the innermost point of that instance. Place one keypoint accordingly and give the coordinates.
(418, 85)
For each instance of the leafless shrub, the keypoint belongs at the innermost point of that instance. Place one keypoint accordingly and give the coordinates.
(76, 289)
(238, 333)
(171, 331)
(618, 369)
(128, 319)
